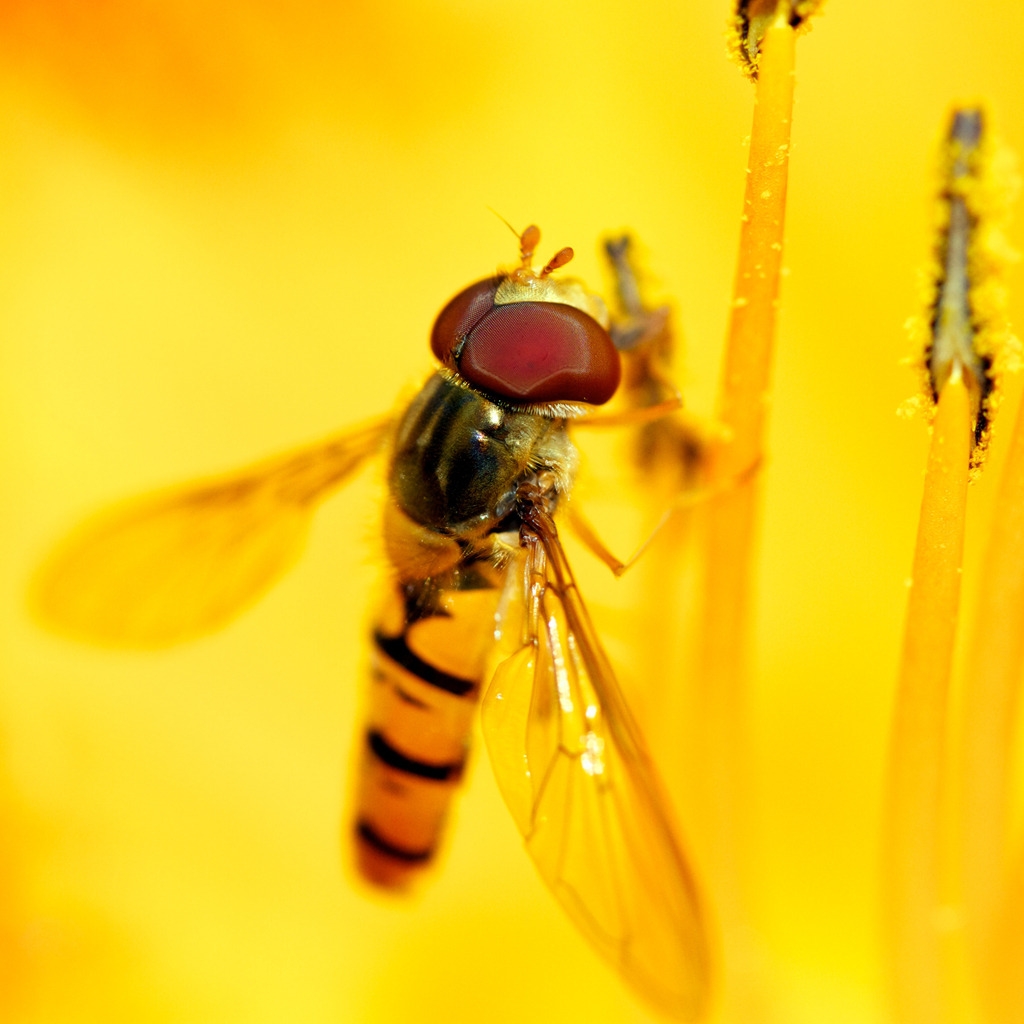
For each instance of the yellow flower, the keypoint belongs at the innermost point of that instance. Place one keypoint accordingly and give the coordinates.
(224, 232)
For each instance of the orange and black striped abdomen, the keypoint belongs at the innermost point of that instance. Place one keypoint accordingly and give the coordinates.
(427, 669)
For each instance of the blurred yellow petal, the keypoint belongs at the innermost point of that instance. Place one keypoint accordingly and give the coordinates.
(224, 231)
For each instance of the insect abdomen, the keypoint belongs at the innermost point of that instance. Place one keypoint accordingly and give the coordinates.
(427, 668)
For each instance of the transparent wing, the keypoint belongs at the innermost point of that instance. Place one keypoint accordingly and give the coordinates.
(179, 563)
(572, 767)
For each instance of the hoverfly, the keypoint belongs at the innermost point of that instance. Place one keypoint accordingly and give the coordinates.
(478, 464)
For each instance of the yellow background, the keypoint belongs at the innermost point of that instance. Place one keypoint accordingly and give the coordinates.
(224, 231)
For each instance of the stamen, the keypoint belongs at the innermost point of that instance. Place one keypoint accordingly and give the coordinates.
(913, 848)
(966, 323)
(952, 328)
(727, 586)
(751, 20)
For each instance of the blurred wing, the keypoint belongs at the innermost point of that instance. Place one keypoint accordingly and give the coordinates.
(572, 767)
(183, 562)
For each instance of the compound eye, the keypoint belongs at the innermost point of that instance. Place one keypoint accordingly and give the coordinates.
(540, 352)
(460, 316)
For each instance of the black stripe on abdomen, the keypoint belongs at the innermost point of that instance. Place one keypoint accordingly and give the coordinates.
(394, 758)
(369, 835)
(399, 651)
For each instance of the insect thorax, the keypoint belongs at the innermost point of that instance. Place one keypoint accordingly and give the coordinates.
(458, 461)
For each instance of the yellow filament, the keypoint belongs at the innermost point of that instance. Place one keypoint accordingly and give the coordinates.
(731, 518)
(911, 857)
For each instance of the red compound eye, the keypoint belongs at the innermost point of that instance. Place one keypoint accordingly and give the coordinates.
(460, 316)
(526, 351)
(540, 352)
